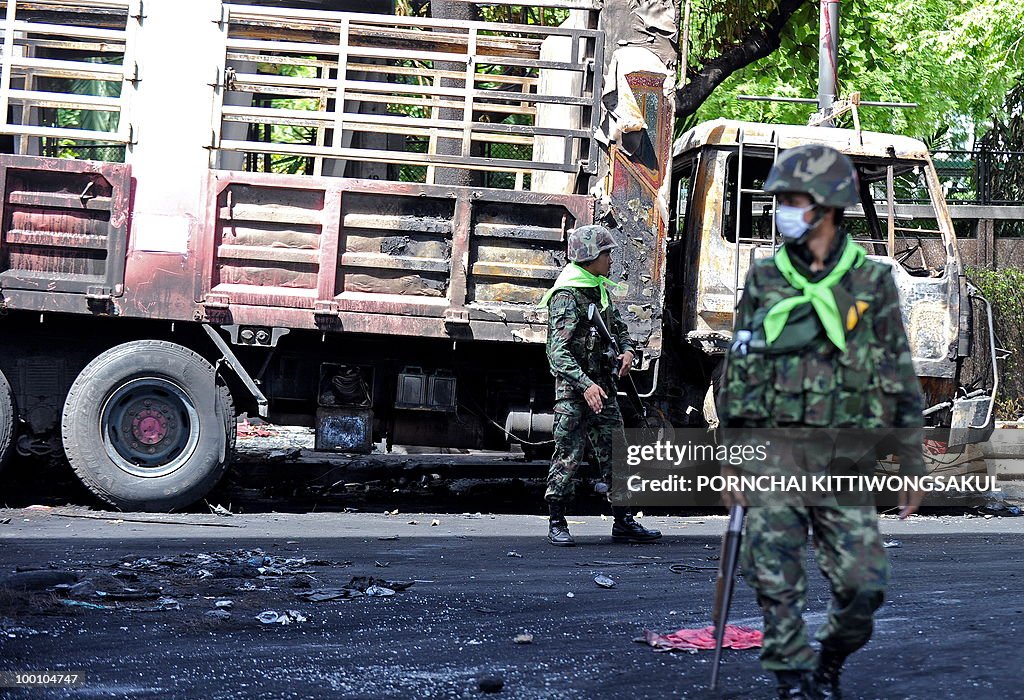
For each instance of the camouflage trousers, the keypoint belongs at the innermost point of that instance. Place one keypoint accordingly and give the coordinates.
(576, 426)
(849, 552)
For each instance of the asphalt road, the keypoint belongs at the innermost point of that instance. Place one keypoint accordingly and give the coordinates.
(948, 630)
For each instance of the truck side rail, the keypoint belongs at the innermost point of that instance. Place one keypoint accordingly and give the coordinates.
(407, 91)
(68, 72)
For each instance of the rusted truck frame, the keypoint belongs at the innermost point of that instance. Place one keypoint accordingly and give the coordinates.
(146, 300)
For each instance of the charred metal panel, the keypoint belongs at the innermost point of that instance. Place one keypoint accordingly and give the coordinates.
(395, 245)
(517, 251)
(64, 227)
(638, 174)
(268, 237)
(369, 257)
(930, 309)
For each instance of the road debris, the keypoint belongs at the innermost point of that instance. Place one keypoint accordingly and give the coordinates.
(515, 555)
(5, 521)
(892, 544)
(490, 683)
(129, 594)
(238, 563)
(357, 587)
(524, 638)
(435, 522)
(225, 604)
(1001, 509)
(246, 429)
(271, 617)
(85, 604)
(379, 591)
(570, 594)
(220, 510)
(82, 589)
(680, 567)
(604, 581)
(15, 632)
(151, 521)
(704, 638)
(382, 564)
(37, 580)
(217, 614)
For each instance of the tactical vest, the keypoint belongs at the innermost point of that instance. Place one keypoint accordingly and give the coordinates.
(586, 345)
(816, 385)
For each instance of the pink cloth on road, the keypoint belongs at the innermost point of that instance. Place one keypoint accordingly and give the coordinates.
(704, 638)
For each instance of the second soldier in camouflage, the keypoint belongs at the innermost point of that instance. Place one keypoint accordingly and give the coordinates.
(586, 410)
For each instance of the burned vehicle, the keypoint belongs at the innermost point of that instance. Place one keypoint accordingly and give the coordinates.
(724, 220)
(341, 218)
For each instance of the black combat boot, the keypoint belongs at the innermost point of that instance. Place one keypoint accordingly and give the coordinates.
(796, 685)
(558, 529)
(626, 529)
(826, 676)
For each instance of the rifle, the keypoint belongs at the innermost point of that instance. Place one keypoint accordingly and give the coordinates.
(597, 322)
(725, 582)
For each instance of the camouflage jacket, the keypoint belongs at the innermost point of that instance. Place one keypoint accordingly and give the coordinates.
(575, 352)
(871, 385)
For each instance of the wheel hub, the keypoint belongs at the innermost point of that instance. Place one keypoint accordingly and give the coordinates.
(150, 426)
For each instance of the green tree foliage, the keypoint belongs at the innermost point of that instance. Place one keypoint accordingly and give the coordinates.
(957, 59)
(1004, 289)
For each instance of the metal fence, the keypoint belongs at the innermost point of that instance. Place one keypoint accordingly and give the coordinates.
(981, 176)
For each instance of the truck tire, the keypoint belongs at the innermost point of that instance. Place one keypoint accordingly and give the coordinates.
(8, 420)
(148, 427)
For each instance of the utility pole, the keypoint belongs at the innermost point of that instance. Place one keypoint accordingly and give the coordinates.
(828, 58)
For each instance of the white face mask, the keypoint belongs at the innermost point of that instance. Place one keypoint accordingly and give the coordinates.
(790, 221)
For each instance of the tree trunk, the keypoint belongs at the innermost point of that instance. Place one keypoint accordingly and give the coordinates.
(757, 43)
(465, 12)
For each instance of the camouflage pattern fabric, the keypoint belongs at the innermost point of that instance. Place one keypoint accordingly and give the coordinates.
(576, 426)
(849, 552)
(870, 385)
(812, 385)
(824, 173)
(587, 242)
(577, 358)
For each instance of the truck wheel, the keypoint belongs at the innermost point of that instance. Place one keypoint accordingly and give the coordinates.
(8, 420)
(146, 426)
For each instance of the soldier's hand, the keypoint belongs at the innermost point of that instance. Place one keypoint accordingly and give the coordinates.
(626, 360)
(595, 396)
(909, 502)
(730, 497)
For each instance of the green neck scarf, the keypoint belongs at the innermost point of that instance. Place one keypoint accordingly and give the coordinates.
(817, 294)
(575, 276)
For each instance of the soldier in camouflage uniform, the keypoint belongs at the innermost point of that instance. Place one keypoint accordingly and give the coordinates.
(586, 409)
(819, 343)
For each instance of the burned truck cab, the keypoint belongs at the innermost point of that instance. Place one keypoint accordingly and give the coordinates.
(724, 220)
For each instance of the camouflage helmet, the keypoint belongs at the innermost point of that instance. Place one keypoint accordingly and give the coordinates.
(587, 242)
(824, 173)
